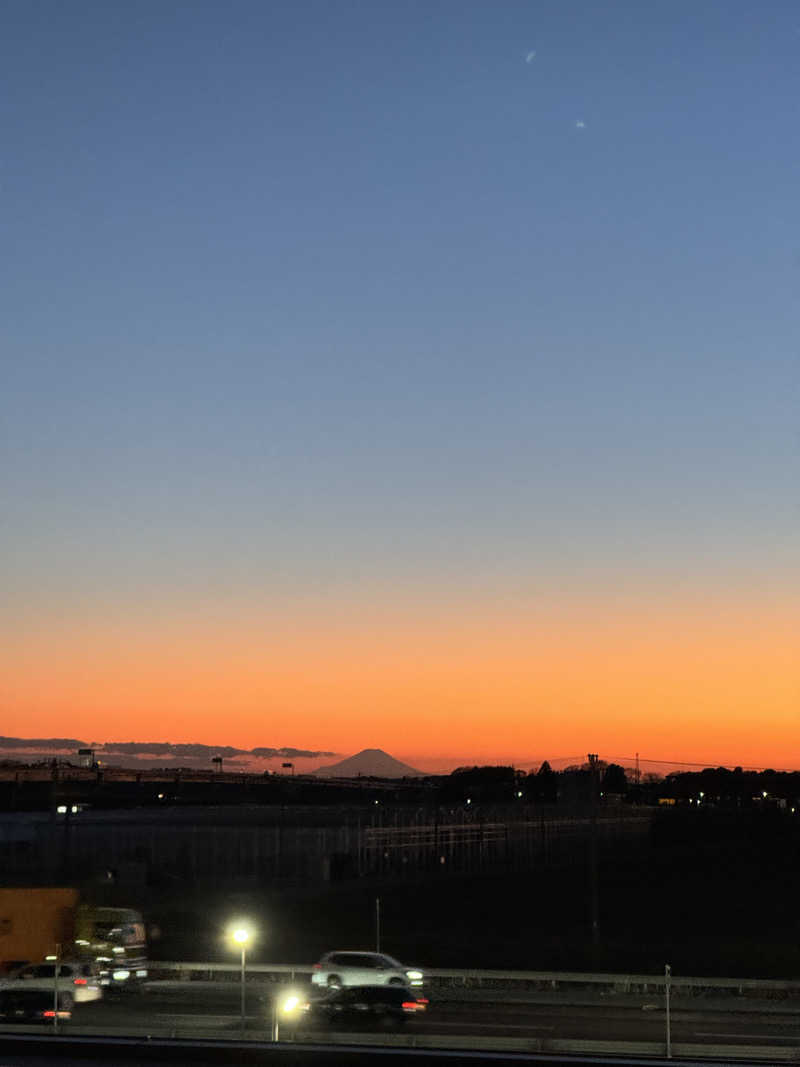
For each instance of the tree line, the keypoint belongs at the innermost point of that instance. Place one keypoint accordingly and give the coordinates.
(610, 782)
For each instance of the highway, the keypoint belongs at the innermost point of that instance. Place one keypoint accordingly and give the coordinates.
(211, 1010)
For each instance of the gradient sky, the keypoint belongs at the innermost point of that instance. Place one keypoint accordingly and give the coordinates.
(368, 380)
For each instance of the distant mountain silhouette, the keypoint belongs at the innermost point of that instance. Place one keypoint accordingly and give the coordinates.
(154, 748)
(369, 763)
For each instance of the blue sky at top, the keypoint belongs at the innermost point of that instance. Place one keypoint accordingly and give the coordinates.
(341, 295)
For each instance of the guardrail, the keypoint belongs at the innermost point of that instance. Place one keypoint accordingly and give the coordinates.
(85, 1046)
(531, 980)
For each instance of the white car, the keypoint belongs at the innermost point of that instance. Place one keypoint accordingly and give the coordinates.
(337, 969)
(78, 982)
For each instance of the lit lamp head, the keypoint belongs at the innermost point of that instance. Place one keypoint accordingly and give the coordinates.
(241, 934)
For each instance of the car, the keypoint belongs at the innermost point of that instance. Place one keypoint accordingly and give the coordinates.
(360, 1006)
(363, 969)
(31, 986)
(22, 1005)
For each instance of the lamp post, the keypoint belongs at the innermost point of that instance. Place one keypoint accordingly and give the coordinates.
(241, 935)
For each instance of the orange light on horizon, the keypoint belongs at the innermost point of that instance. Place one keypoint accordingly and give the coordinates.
(675, 684)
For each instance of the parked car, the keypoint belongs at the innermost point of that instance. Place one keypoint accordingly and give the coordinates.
(360, 1006)
(363, 969)
(31, 989)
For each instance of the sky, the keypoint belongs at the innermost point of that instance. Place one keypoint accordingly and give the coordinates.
(417, 376)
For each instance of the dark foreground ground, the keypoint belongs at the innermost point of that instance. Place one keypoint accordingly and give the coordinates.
(709, 898)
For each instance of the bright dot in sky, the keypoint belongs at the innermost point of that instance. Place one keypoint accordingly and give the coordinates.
(530, 57)
(580, 124)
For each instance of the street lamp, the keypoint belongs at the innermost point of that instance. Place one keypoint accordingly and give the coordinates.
(241, 935)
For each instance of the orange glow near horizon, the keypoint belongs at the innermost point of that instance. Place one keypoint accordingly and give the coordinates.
(707, 685)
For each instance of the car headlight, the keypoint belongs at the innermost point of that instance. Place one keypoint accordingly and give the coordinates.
(415, 977)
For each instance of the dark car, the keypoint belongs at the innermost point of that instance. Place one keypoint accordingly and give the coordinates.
(21, 1005)
(362, 1006)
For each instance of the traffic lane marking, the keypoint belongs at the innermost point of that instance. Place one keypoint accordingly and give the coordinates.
(441, 1023)
(748, 1035)
(209, 1020)
(216, 1020)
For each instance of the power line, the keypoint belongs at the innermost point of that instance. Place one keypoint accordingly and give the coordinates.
(710, 765)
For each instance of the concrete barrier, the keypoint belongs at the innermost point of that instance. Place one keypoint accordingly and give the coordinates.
(586, 1051)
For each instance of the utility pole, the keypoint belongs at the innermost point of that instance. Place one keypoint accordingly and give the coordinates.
(593, 873)
(667, 991)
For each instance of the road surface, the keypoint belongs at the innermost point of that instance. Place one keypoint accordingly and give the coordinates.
(212, 1010)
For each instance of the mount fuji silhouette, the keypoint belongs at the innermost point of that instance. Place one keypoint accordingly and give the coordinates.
(369, 763)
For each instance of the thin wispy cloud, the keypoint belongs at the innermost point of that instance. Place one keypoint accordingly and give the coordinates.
(529, 58)
(580, 124)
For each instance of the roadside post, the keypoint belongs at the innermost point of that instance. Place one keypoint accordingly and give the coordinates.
(667, 990)
(55, 988)
(377, 924)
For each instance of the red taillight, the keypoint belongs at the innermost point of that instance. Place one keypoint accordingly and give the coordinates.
(409, 1005)
(317, 967)
(48, 1015)
(79, 981)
